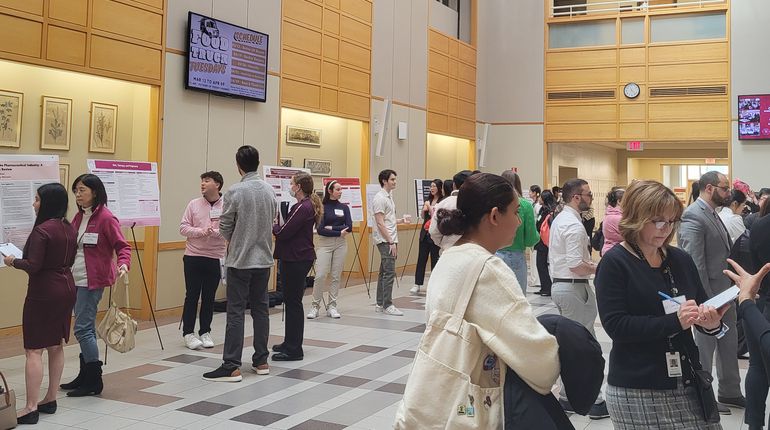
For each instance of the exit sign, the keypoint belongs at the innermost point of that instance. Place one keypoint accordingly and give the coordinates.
(635, 146)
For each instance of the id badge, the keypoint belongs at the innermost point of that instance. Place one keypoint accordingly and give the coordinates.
(90, 238)
(339, 212)
(215, 213)
(673, 364)
(672, 306)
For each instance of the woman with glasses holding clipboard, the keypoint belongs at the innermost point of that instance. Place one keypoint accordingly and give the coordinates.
(655, 378)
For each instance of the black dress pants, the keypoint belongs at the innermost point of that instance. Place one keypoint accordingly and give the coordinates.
(201, 277)
(293, 274)
(427, 249)
(542, 270)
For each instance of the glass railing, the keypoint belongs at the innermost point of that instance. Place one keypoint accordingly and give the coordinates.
(620, 6)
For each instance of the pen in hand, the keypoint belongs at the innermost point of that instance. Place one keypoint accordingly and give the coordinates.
(667, 297)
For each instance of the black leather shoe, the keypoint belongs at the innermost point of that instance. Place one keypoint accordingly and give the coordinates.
(30, 418)
(282, 356)
(737, 402)
(278, 347)
(47, 408)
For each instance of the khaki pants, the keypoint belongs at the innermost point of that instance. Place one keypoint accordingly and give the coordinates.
(330, 258)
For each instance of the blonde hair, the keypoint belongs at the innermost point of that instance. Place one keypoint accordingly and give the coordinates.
(644, 200)
(305, 183)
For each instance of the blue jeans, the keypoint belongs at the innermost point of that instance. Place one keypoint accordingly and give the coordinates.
(516, 261)
(85, 322)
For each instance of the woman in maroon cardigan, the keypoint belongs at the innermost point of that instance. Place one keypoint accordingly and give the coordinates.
(48, 255)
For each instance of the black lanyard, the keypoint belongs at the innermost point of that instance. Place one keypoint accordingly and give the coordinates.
(666, 267)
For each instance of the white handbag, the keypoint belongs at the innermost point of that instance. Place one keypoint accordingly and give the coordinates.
(117, 328)
(456, 381)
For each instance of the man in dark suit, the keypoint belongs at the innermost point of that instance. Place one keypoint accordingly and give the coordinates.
(705, 238)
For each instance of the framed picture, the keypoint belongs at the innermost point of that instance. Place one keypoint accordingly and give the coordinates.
(285, 161)
(104, 118)
(11, 108)
(319, 167)
(64, 174)
(303, 136)
(56, 127)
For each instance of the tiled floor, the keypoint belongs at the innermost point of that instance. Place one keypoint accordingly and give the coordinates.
(352, 377)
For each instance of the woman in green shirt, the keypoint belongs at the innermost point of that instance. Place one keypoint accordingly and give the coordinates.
(526, 235)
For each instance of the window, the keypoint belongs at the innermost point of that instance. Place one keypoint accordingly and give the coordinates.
(577, 34)
(688, 27)
(451, 4)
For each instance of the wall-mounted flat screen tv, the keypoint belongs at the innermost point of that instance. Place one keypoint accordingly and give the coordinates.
(754, 117)
(226, 59)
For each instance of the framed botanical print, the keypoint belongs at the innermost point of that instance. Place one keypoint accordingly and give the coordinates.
(64, 174)
(102, 135)
(11, 108)
(56, 127)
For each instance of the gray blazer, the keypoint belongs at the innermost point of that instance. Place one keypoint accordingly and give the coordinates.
(705, 238)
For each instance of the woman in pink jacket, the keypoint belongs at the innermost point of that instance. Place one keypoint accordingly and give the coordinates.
(99, 240)
(612, 215)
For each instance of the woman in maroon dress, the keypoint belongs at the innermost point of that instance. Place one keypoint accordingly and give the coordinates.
(48, 255)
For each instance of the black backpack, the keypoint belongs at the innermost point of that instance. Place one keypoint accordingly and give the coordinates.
(597, 240)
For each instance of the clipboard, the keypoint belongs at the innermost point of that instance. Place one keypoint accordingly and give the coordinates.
(723, 298)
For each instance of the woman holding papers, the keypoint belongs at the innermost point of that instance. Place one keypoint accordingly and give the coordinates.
(333, 228)
(654, 357)
(99, 240)
(48, 256)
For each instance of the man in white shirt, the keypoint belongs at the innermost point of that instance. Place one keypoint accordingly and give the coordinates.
(571, 266)
(385, 235)
(448, 203)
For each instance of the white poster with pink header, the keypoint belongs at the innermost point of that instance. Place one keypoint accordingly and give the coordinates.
(132, 190)
(20, 177)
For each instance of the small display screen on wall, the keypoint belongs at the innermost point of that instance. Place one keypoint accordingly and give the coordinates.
(226, 59)
(754, 117)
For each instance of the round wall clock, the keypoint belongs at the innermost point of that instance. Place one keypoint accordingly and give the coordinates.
(631, 90)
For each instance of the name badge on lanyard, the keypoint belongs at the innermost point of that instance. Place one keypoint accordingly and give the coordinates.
(90, 238)
(673, 364)
(339, 212)
(215, 213)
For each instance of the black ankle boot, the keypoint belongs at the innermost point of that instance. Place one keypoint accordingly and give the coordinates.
(78, 379)
(92, 384)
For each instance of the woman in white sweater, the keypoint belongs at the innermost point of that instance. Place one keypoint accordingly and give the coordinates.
(487, 218)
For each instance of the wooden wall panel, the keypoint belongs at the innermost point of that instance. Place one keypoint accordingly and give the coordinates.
(451, 86)
(327, 44)
(126, 20)
(22, 36)
(73, 11)
(123, 57)
(303, 11)
(34, 7)
(583, 113)
(689, 111)
(689, 52)
(682, 73)
(581, 77)
(125, 36)
(576, 59)
(66, 46)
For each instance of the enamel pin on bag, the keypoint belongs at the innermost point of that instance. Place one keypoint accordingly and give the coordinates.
(117, 328)
(455, 382)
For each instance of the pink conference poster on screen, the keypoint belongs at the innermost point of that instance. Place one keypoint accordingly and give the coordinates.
(227, 58)
(754, 117)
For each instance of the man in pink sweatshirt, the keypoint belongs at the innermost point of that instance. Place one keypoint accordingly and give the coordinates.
(205, 246)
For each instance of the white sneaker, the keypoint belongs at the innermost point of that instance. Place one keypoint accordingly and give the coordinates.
(392, 310)
(313, 314)
(192, 342)
(207, 341)
(333, 312)
(415, 290)
(377, 308)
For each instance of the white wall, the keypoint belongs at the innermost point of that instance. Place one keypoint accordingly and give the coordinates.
(748, 25)
(443, 19)
(509, 86)
(447, 156)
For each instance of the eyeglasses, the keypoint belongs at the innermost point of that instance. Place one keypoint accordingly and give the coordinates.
(660, 225)
(727, 189)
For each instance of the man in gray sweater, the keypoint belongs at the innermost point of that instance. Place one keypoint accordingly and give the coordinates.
(249, 208)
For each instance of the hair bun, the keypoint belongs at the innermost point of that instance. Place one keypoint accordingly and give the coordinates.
(451, 222)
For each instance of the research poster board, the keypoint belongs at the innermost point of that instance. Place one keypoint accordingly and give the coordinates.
(422, 194)
(351, 196)
(20, 177)
(371, 191)
(133, 194)
(280, 179)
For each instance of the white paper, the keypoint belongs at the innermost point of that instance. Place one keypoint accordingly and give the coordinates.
(20, 177)
(723, 298)
(133, 195)
(280, 179)
(371, 191)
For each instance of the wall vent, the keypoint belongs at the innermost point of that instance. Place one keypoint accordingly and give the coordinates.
(572, 95)
(689, 91)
